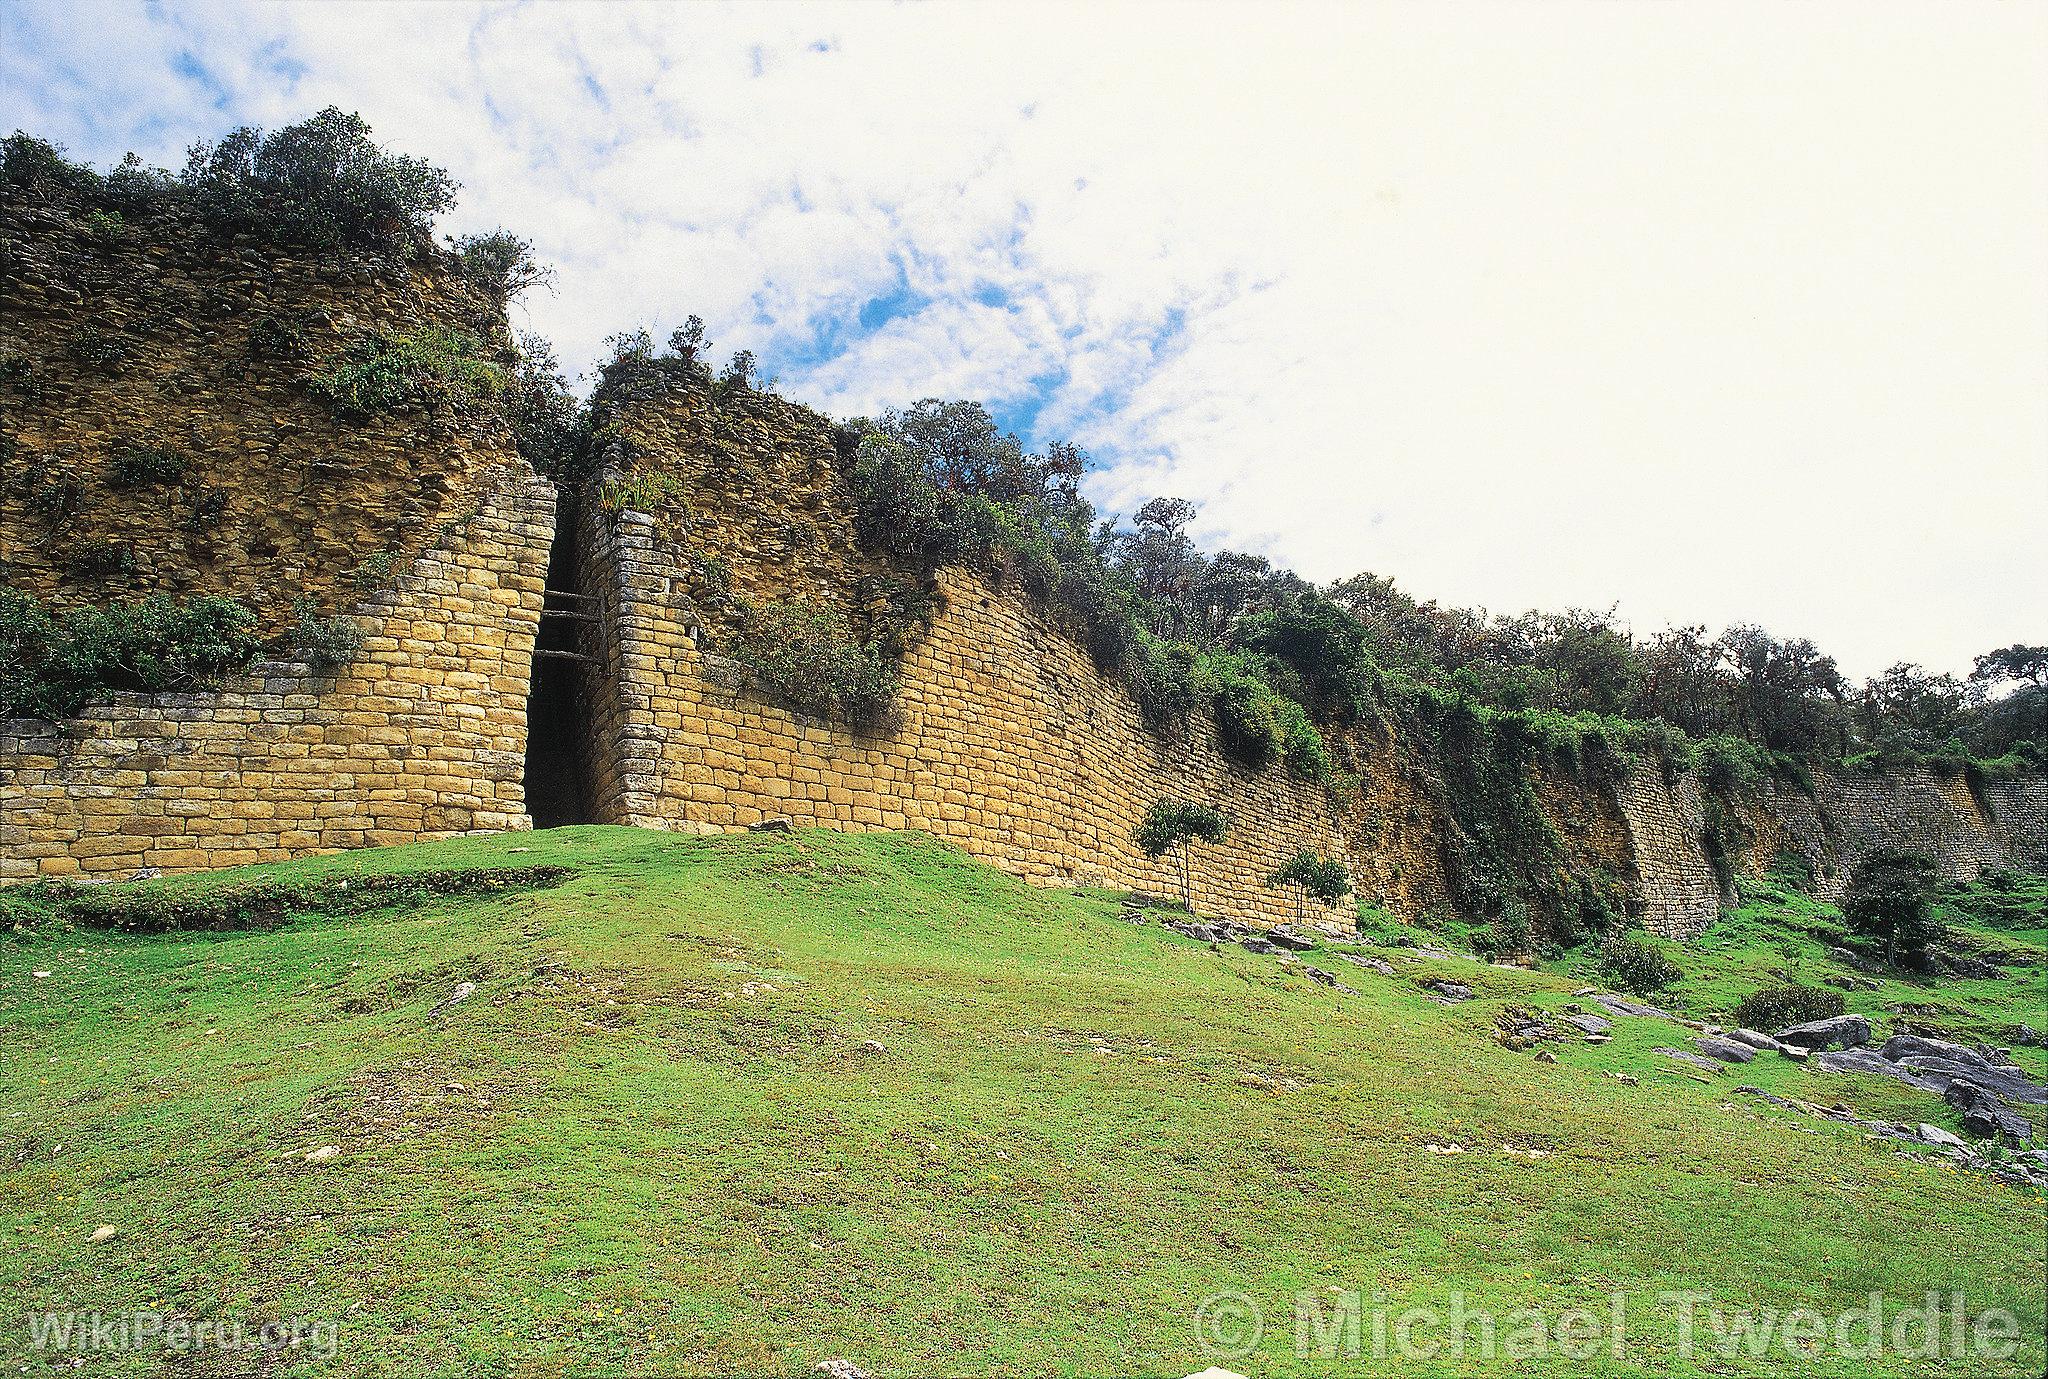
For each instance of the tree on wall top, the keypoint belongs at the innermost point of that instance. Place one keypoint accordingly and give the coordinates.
(1324, 879)
(1172, 826)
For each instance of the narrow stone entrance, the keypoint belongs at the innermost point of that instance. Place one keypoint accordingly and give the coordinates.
(565, 665)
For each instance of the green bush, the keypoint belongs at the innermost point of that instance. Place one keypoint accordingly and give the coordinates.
(1247, 713)
(322, 182)
(807, 658)
(1780, 1007)
(275, 337)
(53, 665)
(1302, 745)
(324, 642)
(431, 364)
(1635, 963)
(1729, 765)
(501, 264)
(1507, 935)
(29, 164)
(1164, 682)
(145, 466)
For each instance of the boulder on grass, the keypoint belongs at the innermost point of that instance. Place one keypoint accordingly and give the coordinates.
(1837, 1031)
(1727, 1050)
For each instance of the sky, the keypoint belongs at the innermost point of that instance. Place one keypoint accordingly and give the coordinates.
(1715, 312)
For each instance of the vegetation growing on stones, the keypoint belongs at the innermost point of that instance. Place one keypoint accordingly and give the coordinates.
(807, 658)
(323, 182)
(324, 642)
(433, 364)
(53, 664)
(144, 466)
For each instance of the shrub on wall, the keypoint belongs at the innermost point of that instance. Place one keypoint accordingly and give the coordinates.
(145, 466)
(324, 642)
(433, 363)
(500, 264)
(807, 658)
(54, 664)
(323, 182)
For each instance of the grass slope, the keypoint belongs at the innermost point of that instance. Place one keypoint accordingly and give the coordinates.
(652, 1140)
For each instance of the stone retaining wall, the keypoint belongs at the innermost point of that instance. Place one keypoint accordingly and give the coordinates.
(1008, 742)
(421, 736)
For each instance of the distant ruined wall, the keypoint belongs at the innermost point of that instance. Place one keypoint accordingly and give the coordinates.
(1674, 880)
(1850, 814)
(421, 736)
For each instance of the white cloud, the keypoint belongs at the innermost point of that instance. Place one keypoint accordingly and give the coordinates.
(1723, 311)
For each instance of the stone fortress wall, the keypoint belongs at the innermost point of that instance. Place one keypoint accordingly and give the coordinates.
(423, 735)
(473, 679)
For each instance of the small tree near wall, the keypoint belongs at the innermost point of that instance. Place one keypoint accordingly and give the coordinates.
(1172, 826)
(1323, 879)
(1891, 898)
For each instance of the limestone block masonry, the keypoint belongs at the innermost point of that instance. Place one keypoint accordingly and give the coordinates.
(1007, 742)
(421, 736)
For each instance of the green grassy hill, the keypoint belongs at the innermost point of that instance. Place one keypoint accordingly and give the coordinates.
(657, 1138)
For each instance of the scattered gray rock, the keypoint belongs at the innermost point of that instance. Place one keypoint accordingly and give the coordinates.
(1326, 978)
(463, 991)
(1254, 944)
(322, 1154)
(839, 1369)
(1867, 1061)
(1758, 1041)
(1727, 1050)
(776, 825)
(1616, 1005)
(1379, 965)
(873, 1046)
(2024, 1171)
(1848, 1031)
(2011, 1084)
(1446, 990)
(1692, 1059)
(1291, 939)
(1584, 1024)
(1901, 1046)
(103, 1235)
(2027, 1037)
(1984, 1113)
(1934, 1134)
